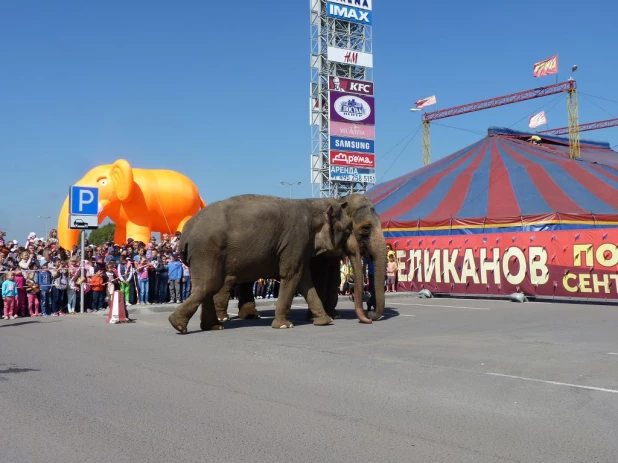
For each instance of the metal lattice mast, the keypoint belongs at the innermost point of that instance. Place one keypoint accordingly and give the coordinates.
(572, 107)
(426, 142)
(584, 127)
(329, 31)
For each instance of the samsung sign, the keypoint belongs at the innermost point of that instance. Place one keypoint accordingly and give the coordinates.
(348, 13)
(364, 4)
(356, 145)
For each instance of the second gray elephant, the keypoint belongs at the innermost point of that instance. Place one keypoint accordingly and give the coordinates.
(244, 238)
(366, 240)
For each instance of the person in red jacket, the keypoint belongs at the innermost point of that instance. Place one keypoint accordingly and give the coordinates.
(98, 286)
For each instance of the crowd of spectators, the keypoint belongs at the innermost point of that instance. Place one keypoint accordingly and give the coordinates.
(40, 278)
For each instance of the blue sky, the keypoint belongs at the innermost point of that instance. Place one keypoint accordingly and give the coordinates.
(219, 90)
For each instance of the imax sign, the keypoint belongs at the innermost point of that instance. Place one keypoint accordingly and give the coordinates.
(348, 13)
(364, 4)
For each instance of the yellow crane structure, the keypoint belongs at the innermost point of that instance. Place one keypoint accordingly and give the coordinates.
(570, 87)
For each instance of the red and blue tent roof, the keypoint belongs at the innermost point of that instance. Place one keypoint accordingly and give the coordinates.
(504, 183)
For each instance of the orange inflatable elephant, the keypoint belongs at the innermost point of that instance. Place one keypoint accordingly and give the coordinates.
(138, 201)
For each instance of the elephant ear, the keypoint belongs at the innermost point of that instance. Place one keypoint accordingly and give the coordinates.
(122, 179)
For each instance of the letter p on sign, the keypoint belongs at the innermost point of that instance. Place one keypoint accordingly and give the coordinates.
(84, 200)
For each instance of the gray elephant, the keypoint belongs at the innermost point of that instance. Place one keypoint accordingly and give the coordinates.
(243, 238)
(366, 240)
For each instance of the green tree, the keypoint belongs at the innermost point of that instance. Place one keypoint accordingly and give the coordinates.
(102, 235)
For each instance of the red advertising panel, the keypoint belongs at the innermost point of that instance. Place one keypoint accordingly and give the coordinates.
(344, 158)
(341, 84)
(580, 264)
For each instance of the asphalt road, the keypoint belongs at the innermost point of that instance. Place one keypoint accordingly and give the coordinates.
(441, 380)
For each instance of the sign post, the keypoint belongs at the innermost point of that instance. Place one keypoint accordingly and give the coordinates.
(83, 215)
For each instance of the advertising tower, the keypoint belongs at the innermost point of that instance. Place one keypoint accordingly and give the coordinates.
(342, 106)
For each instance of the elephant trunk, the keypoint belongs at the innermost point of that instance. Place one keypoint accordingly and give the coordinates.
(358, 288)
(377, 251)
(66, 237)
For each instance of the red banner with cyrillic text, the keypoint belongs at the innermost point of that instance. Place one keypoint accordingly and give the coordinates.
(579, 264)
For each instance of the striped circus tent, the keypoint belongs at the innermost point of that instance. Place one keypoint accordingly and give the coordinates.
(505, 182)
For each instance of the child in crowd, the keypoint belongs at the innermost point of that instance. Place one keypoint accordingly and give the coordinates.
(32, 292)
(391, 269)
(45, 283)
(9, 295)
(112, 282)
(142, 272)
(97, 284)
(22, 300)
(125, 275)
(59, 291)
(175, 275)
(186, 282)
(72, 289)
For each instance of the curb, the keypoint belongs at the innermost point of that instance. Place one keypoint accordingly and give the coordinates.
(168, 308)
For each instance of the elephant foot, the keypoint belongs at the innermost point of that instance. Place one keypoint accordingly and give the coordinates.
(282, 324)
(205, 326)
(248, 313)
(179, 323)
(373, 315)
(322, 321)
(222, 316)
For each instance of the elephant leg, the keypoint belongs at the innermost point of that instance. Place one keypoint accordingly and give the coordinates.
(325, 275)
(287, 289)
(222, 299)
(330, 290)
(310, 294)
(246, 302)
(209, 314)
(179, 319)
(215, 285)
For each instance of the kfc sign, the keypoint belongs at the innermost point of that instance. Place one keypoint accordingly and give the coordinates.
(343, 158)
(341, 84)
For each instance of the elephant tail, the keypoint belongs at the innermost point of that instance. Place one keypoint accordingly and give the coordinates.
(183, 247)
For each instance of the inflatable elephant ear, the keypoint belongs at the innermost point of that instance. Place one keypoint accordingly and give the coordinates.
(122, 179)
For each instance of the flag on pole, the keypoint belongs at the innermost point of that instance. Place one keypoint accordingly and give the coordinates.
(426, 102)
(537, 120)
(546, 67)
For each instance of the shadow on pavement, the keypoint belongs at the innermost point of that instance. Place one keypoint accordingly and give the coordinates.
(19, 323)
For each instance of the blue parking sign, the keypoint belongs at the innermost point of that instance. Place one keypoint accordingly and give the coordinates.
(84, 200)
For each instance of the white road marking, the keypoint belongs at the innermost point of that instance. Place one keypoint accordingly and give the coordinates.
(436, 305)
(557, 383)
(612, 353)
